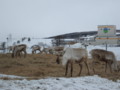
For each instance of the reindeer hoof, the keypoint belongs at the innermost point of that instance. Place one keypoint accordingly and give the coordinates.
(88, 73)
(78, 74)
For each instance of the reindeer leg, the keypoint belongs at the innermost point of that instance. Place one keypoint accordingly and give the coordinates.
(71, 68)
(66, 68)
(110, 64)
(87, 68)
(12, 55)
(32, 52)
(39, 51)
(25, 53)
(93, 65)
(15, 54)
(105, 66)
(80, 69)
(19, 54)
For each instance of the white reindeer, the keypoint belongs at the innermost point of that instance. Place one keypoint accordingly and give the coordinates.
(105, 56)
(77, 55)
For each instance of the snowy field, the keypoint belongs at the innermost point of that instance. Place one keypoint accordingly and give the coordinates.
(47, 43)
(80, 83)
(53, 83)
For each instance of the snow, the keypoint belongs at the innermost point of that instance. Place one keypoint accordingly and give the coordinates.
(30, 43)
(47, 43)
(61, 83)
(54, 83)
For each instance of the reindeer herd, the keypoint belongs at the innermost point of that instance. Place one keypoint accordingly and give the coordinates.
(69, 56)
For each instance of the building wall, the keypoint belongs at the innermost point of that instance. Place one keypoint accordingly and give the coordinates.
(109, 40)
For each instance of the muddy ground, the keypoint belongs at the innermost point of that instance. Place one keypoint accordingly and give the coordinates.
(44, 65)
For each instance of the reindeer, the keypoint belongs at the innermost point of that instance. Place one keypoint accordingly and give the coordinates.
(53, 50)
(18, 49)
(72, 55)
(105, 56)
(35, 48)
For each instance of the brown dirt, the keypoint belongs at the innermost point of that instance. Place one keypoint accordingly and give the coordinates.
(42, 65)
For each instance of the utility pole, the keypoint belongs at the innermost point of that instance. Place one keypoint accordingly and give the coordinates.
(106, 45)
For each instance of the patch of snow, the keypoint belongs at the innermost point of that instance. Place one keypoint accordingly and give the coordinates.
(79, 83)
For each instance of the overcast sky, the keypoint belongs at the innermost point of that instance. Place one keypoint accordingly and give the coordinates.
(44, 18)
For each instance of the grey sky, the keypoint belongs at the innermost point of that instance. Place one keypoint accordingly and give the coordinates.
(43, 18)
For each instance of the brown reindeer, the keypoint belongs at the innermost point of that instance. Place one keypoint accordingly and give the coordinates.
(72, 55)
(18, 49)
(105, 56)
(35, 48)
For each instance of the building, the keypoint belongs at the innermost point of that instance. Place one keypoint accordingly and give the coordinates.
(70, 38)
(105, 34)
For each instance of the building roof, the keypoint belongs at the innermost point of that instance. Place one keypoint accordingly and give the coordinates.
(72, 35)
(75, 35)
